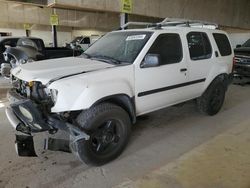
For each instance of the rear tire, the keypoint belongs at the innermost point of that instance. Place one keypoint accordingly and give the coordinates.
(109, 128)
(213, 98)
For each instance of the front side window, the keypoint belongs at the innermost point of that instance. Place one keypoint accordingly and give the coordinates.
(121, 47)
(199, 46)
(169, 47)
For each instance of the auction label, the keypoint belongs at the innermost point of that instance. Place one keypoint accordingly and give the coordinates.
(135, 37)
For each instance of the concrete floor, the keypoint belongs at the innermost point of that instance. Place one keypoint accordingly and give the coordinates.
(175, 147)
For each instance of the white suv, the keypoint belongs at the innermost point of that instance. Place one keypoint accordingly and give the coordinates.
(97, 96)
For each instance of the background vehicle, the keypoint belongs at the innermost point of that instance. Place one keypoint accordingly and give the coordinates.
(30, 49)
(242, 60)
(96, 97)
(82, 42)
(4, 43)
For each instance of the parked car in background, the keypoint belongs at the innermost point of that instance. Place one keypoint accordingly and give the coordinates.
(6, 42)
(82, 42)
(30, 49)
(242, 60)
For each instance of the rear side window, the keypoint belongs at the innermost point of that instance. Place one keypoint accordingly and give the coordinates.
(169, 47)
(223, 44)
(199, 46)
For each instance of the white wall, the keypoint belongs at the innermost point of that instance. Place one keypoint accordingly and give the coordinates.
(62, 37)
(76, 33)
(14, 32)
(239, 38)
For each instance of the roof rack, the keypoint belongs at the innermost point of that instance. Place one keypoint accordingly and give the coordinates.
(188, 23)
(135, 24)
(168, 22)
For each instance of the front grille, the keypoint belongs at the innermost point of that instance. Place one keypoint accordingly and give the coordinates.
(242, 59)
(20, 86)
(35, 92)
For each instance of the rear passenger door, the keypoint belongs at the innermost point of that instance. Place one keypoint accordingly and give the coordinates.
(200, 60)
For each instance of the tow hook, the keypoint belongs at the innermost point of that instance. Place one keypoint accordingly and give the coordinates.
(74, 132)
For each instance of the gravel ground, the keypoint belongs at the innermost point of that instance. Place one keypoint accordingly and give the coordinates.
(157, 140)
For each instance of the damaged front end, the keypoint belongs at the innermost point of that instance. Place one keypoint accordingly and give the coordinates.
(29, 114)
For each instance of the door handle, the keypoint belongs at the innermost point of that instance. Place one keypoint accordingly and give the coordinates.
(183, 70)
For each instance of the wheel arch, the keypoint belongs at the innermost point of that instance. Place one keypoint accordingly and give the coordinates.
(122, 100)
(223, 77)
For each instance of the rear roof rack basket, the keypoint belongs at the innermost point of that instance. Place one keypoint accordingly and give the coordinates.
(168, 22)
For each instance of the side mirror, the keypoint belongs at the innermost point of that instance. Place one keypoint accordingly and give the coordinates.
(238, 45)
(151, 60)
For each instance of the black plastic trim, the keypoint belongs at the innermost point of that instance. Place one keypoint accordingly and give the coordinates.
(141, 94)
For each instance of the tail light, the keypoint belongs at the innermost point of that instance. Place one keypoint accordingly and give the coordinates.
(234, 62)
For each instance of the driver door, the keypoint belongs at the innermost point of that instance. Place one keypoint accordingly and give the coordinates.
(161, 86)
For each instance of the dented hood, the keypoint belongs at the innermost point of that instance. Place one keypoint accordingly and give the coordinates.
(53, 69)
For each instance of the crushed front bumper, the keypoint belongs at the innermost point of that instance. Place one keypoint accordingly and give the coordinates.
(26, 118)
(24, 115)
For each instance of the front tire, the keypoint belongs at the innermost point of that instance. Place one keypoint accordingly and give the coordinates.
(109, 128)
(213, 98)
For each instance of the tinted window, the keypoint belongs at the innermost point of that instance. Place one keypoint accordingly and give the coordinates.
(169, 47)
(223, 44)
(39, 44)
(199, 46)
(86, 40)
(9, 42)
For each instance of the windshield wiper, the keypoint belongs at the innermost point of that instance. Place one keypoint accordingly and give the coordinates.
(107, 59)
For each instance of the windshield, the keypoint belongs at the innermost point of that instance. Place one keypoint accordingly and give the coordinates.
(247, 43)
(121, 47)
(25, 42)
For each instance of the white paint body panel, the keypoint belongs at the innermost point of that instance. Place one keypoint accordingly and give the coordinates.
(44, 71)
(101, 80)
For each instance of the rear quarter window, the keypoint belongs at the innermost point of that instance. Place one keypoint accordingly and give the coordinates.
(223, 44)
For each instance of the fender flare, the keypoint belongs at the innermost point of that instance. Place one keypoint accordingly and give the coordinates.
(223, 77)
(122, 100)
